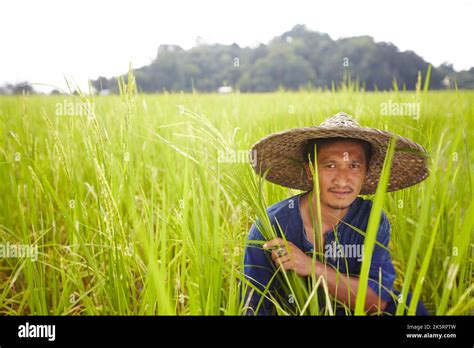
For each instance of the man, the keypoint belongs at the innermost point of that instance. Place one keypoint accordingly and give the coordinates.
(349, 161)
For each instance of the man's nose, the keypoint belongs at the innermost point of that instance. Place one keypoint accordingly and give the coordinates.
(341, 178)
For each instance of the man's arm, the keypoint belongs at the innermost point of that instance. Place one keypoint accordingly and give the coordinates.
(340, 287)
(258, 270)
(344, 288)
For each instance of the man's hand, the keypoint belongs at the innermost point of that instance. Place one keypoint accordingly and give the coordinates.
(290, 258)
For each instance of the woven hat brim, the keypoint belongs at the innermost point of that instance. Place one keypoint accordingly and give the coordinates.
(282, 154)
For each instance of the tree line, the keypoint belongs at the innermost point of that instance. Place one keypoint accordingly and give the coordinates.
(299, 58)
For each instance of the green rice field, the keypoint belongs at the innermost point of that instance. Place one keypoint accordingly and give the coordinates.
(140, 204)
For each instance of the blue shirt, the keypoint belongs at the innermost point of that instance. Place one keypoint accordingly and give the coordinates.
(259, 267)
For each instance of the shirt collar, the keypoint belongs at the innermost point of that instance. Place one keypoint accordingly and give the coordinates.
(346, 218)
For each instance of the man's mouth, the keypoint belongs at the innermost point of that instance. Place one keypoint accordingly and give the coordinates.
(341, 193)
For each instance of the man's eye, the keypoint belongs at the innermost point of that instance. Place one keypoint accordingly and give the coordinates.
(330, 165)
(355, 165)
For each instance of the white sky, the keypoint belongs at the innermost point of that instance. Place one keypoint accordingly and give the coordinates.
(43, 41)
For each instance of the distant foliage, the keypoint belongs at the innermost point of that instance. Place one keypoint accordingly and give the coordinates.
(300, 58)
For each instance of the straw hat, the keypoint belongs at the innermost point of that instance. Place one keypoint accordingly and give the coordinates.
(283, 155)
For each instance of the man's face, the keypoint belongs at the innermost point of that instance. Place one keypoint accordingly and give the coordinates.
(342, 167)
